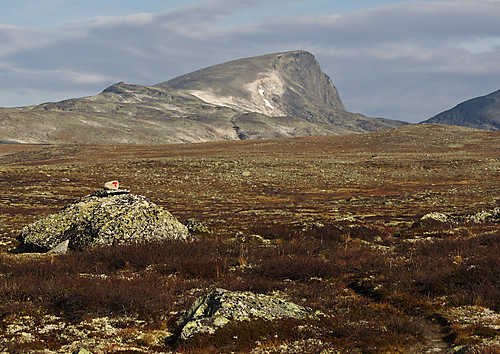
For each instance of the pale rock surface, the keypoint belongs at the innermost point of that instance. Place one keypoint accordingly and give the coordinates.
(437, 216)
(195, 226)
(61, 248)
(486, 216)
(112, 185)
(221, 306)
(102, 220)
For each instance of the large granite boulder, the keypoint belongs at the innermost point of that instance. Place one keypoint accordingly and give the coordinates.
(221, 306)
(104, 218)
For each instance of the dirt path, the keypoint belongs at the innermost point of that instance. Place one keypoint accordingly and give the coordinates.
(434, 328)
(433, 335)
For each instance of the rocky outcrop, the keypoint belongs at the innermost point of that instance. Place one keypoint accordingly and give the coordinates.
(436, 216)
(221, 306)
(108, 217)
(485, 216)
(479, 217)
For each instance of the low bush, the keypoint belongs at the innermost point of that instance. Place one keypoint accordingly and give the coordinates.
(243, 336)
(466, 271)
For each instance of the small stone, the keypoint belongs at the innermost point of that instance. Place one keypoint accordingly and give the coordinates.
(195, 226)
(111, 185)
(109, 192)
(81, 351)
(61, 248)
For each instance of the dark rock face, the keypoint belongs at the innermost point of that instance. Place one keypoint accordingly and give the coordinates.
(306, 82)
(479, 113)
(221, 306)
(113, 218)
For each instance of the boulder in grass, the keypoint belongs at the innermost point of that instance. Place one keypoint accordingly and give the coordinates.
(102, 220)
(438, 217)
(195, 226)
(485, 216)
(220, 306)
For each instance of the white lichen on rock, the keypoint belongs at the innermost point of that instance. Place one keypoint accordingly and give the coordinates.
(94, 220)
(438, 217)
(221, 306)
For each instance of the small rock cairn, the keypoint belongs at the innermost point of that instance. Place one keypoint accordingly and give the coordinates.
(110, 188)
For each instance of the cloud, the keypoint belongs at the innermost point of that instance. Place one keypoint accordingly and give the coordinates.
(406, 61)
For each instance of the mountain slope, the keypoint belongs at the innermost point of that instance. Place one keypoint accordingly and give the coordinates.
(275, 85)
(480, 113)
(270, 96)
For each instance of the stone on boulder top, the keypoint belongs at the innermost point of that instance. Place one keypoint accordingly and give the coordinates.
(221, 306)
(110, 188)
(111, 185)
(108, 192)
(94, 220)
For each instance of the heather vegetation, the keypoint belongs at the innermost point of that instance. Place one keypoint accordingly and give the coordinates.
(334, 225)
(367, 298)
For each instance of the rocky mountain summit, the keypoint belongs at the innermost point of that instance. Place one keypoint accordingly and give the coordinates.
(107, 217)
(279, 85)
(269, 96)
(479, 113)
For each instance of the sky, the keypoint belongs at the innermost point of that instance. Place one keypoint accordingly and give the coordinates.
(404, 60)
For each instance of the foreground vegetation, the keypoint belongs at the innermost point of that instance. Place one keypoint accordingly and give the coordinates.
(368, 298)
(332, 223)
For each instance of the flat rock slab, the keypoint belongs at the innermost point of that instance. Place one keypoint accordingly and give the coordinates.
(108, 192)
(103, 220)
(221, 306)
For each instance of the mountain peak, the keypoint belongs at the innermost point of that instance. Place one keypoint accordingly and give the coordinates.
(279, 84)
(269, 96)
(480, 113)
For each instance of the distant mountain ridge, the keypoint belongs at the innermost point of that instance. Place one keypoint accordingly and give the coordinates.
(270, 96)
(479, 113)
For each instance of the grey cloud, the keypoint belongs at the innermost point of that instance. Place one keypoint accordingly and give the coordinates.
(402, 61)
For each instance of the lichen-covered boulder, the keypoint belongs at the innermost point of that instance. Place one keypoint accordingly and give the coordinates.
(195, 226)
(486, 216)
(221, 306)
(437, 217)
(103, 219)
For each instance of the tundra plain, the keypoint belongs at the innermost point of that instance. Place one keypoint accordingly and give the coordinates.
(333, 223)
